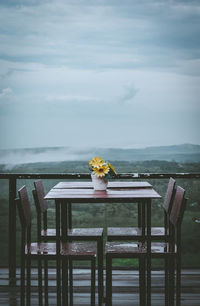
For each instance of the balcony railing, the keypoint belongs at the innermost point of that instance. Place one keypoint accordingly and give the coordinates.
(14, 177)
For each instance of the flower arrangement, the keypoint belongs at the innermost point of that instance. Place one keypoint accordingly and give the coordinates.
(101, 169)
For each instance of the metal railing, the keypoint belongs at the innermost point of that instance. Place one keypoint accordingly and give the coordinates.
(13, 177)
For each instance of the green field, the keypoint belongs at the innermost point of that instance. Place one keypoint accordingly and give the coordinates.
(85, 215)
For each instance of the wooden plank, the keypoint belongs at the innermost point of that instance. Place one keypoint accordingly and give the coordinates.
(90, 194)
(113, 184)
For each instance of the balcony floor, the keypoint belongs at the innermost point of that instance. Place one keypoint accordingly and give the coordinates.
(125, 288)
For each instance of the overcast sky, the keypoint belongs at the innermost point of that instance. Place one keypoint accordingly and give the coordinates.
(107, 73)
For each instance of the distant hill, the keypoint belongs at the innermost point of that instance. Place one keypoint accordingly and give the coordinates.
(179, 153)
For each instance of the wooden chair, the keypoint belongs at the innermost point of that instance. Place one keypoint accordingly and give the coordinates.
(125, 250)
(47, 251)
(74, 234)
(170, 251)
(138, 233)
(29, 251)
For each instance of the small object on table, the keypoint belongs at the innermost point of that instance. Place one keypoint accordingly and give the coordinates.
(101, 172)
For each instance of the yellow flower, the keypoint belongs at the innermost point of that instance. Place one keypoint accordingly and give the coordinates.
(101, 171)
(96, 162)
(112, 169)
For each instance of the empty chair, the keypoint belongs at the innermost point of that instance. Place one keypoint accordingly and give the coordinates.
(47, 251)
(74, 234)
(137, 233)
(29, 251)
(77, 251)
(170, 251)
(125, 250)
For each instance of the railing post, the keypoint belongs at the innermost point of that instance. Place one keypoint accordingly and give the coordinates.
(12, 231)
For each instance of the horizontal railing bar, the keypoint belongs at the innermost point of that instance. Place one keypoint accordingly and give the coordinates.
(195, 175)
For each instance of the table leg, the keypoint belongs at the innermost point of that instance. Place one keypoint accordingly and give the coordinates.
(143, 221)
(64, 223)
(71, 281)
(69, 212)
(139, 215)
(65, 281)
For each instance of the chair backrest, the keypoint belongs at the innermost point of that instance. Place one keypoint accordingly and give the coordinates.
(40, 202)
(24, 207)
(178, 207)
(168, 201)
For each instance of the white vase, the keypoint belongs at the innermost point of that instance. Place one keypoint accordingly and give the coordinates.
(99, 183)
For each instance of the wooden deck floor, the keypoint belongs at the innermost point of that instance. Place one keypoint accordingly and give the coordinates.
(125, 288)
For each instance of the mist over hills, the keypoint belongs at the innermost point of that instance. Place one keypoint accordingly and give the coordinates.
(179, 153)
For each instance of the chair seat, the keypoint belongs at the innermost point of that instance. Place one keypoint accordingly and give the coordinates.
(86, 232)
(41, 248)
(68, 249)
(117, 248)
(75, 232)
(133, 232)
(49, 233)
(158, 231)
(123, 232)
(157, 248)
(79, 249)
(161, 248)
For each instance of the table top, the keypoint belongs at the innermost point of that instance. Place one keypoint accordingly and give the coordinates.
(113, 184)
(116, 194)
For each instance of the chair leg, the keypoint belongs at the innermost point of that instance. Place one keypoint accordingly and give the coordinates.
(148, 279)
(93, 269)
(65, 281)
(100, 271)
(40, 281)
(167, 282)
(171, 281)
(71, 281)
(178, 281)
(108, 281)
(46, 281)
(142, 281)
(58, 282)
(22, 295)
(28, 281)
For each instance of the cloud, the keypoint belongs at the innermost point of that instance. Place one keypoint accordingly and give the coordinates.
(129, 93)
(6, 92)
(15, 157)
(72, 63)
(75, 99)
(98, 35)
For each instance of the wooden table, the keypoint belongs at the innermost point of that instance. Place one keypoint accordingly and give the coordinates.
(83, 192)
(65, 193)
(111, 185)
